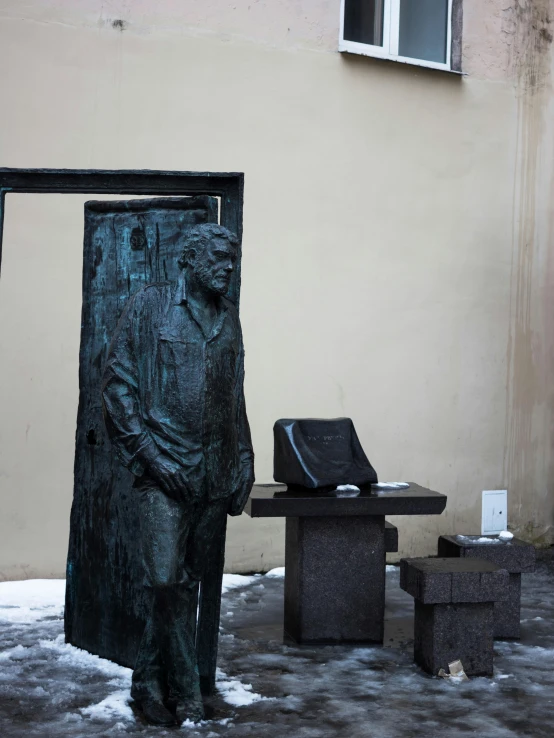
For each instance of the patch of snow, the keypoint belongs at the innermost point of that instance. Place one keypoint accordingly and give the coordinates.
(31, 600)
(115, 705)
(119, 727)
(232, 581)
(71, 717)
(234, 692)
(71, 656)
(478, 539)
(11, 652)
(391, 568)
(69, 693)
(505, 535)
(277, 572)
(346, 490)
(456, 679)
(390, 485)
(186, 724)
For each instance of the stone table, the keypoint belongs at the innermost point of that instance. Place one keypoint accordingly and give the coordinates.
(335, 557)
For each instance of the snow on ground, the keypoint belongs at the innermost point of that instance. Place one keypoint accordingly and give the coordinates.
(271, 689)
(234, 692)
(232, 581)
(31, 600)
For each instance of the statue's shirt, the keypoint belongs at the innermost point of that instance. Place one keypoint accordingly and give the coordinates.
(169, 388)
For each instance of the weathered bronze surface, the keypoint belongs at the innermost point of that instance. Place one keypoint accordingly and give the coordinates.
(315, 453)
(229, 186)
(174, 408)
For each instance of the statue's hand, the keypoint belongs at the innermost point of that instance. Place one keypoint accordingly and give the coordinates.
(170, 477)
(240, 498)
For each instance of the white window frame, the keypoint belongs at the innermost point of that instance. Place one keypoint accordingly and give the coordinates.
(391, 36)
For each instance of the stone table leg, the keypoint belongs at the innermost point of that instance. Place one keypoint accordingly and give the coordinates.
(507, 614)
(335, 579)
(461, 631)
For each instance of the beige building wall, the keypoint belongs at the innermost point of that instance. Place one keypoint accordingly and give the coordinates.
(397, 259)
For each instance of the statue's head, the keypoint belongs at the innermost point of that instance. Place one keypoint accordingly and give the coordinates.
(209, 255)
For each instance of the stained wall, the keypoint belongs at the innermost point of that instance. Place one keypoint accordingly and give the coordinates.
(397, 264)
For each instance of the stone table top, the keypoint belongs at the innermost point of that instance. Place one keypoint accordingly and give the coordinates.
(274, 500)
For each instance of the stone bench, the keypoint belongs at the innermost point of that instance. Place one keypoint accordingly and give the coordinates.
(454, 611)
(391, 538)
(516, 556)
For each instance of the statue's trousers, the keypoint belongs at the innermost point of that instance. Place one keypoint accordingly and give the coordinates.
(177, 540)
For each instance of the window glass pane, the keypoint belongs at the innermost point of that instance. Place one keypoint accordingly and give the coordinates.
(363, 21)
(423, 26)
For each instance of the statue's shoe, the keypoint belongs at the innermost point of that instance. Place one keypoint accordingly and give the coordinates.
(189, 710)
(155, 712)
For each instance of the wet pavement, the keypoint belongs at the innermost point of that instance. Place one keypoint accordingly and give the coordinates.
(271, 689)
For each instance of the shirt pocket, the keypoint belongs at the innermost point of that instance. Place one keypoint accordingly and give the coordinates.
(181, 380)
(179, 362)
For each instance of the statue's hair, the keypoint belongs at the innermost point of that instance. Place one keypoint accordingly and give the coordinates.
(199, 236)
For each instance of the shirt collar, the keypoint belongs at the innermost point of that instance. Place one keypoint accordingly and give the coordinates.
(180, 295)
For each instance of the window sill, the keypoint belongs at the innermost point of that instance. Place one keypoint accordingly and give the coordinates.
(347, 48)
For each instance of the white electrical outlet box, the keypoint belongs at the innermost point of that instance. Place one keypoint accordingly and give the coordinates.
(494, 518)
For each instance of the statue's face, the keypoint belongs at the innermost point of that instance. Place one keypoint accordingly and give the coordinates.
(213, 267)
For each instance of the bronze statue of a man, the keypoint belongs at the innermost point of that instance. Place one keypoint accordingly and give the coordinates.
(174, 407)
